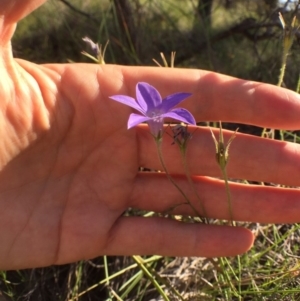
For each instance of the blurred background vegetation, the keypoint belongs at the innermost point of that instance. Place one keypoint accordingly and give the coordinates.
(239, 38)
(242, 38)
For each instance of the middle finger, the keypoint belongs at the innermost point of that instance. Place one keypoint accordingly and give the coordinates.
(250, 157)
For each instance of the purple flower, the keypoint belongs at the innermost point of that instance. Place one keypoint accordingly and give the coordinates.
(153, 109)
(94, 46)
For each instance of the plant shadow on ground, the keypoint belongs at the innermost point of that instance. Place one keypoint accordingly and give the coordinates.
(238, 38)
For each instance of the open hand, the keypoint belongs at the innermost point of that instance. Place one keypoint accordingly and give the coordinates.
(69, 166)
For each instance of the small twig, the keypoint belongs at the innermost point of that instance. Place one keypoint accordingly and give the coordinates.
(78, 11)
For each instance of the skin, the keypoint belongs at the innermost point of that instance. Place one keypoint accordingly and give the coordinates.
(69, 166)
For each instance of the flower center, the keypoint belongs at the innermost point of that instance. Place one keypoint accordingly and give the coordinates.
(156, 116)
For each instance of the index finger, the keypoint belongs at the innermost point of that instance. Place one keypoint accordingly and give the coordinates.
(215, 96)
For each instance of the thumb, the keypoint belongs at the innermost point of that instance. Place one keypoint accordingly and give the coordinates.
(12, 11)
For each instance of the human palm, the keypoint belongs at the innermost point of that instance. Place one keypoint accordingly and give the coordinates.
(69, 166)
(75, 164)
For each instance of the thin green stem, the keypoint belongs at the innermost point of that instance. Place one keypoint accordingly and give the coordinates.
(282, 69)
(280, 81)
(160, 155)
(298, 84)
(287, 43)
(191, 182)
(224, 172)
(106, 269)
(139, 262)
(227, 268)
(222, 156)
(239, 276)
(106, 275)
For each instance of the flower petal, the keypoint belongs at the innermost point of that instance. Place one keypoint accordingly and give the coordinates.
(129, 101)
(172, 100)
(94, 46)
(135, 119)
(180, 114)
(147, 97)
